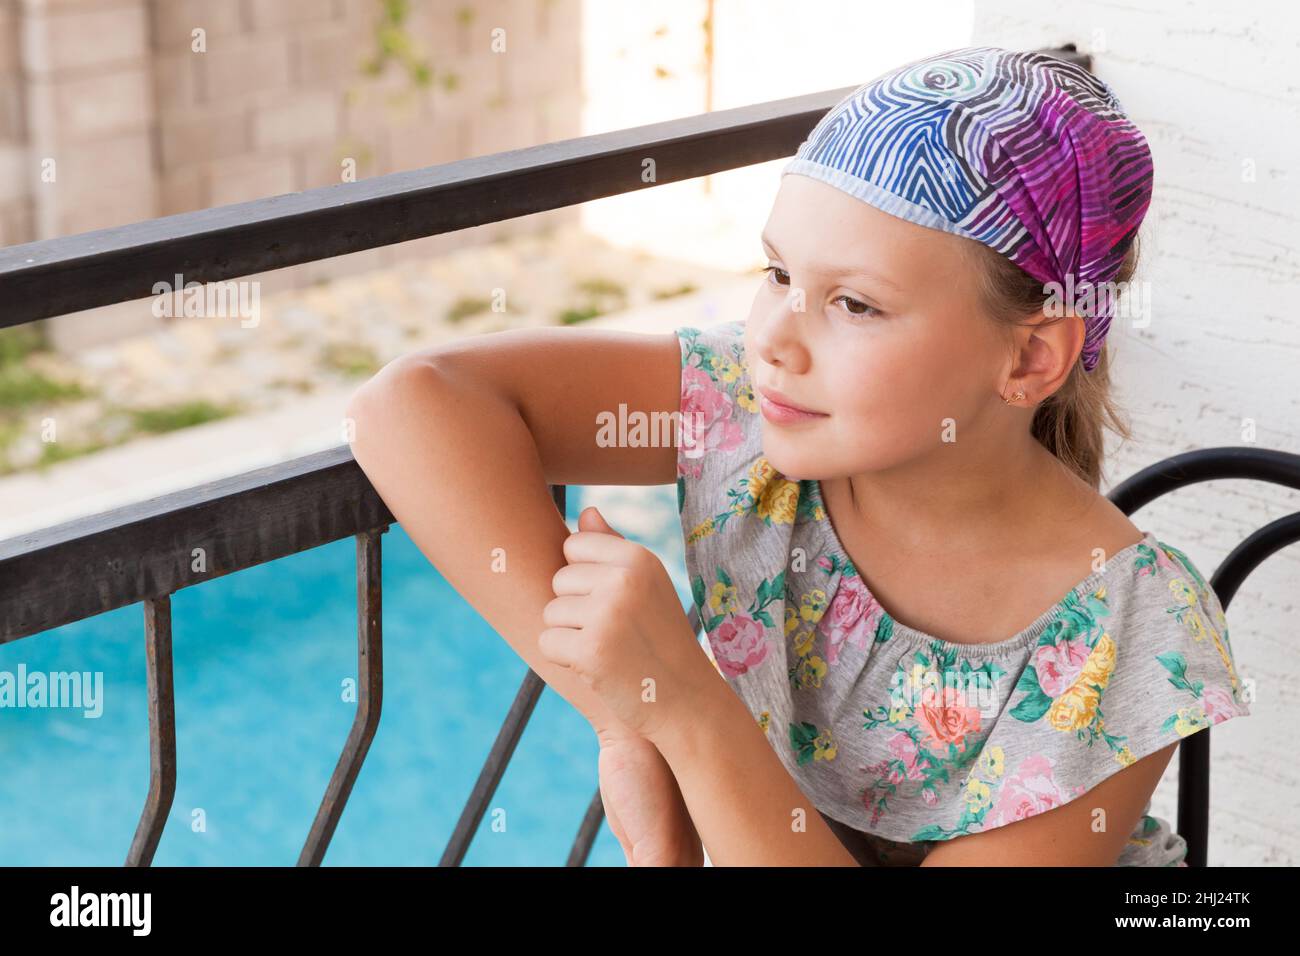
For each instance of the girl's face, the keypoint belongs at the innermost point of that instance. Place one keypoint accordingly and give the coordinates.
(872, 321)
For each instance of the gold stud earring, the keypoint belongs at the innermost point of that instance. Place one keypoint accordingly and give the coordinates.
(1020, 393)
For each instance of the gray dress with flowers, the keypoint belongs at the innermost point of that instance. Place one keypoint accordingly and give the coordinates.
(899, 739)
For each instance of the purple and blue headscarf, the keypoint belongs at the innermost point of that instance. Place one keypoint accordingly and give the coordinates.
(1025, 152)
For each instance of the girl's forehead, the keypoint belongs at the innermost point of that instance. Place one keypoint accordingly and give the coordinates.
(811, 214)
(833, 237)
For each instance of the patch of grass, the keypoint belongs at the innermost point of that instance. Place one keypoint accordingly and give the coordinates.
(9, 432)
(18, 342)
(297, 384)
(686, 288)
(574, 316)
(54, 452)
(21, 386)
(603, 295)
(168, 418)
(350, 358)
(466, 306)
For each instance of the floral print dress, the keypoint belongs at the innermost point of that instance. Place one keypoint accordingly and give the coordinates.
(902, 740)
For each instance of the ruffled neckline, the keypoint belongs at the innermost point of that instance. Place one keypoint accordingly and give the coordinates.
(1019, 641)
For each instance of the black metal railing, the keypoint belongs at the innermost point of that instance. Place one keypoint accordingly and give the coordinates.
(143, 553)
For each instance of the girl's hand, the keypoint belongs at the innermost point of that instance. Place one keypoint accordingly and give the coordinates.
(616, 621)
(644, 805)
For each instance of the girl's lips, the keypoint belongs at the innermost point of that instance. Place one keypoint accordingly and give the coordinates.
(780, 414)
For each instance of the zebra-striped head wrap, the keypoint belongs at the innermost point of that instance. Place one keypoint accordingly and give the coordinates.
(1025, 152)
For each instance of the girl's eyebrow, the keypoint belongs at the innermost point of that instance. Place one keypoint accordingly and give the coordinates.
(839, 270)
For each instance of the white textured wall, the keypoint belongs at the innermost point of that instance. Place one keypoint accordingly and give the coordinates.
(1214, 88)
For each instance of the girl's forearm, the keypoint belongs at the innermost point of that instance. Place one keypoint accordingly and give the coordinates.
(458, 467)
(747, 808)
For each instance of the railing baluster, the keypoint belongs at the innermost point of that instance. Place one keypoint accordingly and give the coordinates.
(494, 768)
(587, 832)
(370, 697)
(162, 731)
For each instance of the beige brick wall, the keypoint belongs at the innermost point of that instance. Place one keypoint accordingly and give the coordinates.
(15, 188)
(138, 123)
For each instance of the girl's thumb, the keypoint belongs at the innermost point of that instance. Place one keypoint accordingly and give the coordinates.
(592, 520)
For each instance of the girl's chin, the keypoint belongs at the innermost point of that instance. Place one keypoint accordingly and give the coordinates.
(797, 470)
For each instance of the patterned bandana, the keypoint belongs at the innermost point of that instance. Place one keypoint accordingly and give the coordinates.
(1027, 153)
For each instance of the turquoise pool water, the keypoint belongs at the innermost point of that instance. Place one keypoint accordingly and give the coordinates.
(260, 661)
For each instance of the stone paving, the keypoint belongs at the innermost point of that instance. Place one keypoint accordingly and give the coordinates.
(279, 389)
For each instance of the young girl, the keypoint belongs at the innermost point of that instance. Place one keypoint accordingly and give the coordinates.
(925, 621)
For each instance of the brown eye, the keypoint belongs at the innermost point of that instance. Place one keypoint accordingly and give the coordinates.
(774, 271)
(867, 310)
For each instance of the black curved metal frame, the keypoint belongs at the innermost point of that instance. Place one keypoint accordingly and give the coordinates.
(1179, 471)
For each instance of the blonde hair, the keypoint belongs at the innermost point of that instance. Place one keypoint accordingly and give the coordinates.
(1071, 422)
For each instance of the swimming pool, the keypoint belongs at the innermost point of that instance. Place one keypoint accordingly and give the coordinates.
(260, 661)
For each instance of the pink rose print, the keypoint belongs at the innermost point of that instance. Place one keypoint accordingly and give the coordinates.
(1029, 791)
(1059, 666)
(949, 723)
(902, 747)
(1162, 561)
(706, 423)
(738, 643)
(1218, 704)
(852, 616)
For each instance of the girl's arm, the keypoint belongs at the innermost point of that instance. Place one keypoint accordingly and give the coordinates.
(460, 441)
(750, 812)
(1089, 830)
(747, 808)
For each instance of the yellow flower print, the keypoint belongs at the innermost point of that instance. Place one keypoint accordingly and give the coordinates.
(727, 371)
(791, 619)
(813, 605)
(745, 398)
(991, 762)
(803, 643)
(1124, 757)
(1227, 661)
(1100, 663)
(1196, 625)
(819, 513)
(760, 473)
(1075, 709)
(809, 671)
(775, 498)
(823, 746)
(978, 796)
(1182, 591)
(702, 530)
(899, 713)
(765, 720)
(723, 600)
(1190, 720)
